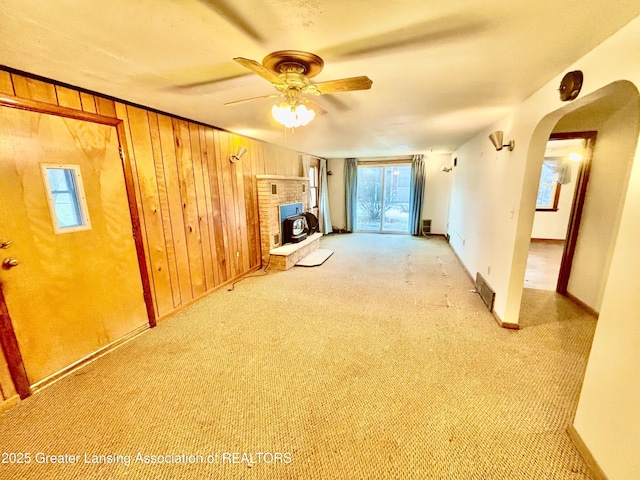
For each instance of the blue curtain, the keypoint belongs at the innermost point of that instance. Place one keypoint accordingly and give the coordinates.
(416, 194)
(324, 217)
(350, 191)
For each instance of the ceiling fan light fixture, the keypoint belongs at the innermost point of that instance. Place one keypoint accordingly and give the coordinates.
(289, 71)
(292, 116)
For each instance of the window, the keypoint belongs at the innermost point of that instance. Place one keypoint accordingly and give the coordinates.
(313, 187)
(383, 198)
(65, 194)
(549, 188)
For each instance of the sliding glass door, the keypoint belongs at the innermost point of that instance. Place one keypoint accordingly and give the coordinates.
(383, 199)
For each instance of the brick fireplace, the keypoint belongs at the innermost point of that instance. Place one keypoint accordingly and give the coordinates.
(273, 191)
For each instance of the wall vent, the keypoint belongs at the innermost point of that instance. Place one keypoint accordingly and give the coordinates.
(486, 292)
(274, 189)
(276, 239)
(426, 227)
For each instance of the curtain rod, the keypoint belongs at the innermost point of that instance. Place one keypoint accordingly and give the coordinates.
(398, 158)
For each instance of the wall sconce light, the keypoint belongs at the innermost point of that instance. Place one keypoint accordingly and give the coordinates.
(496, 139)
(239, 154)
(445, 169)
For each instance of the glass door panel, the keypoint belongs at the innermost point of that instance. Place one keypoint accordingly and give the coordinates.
(383, 199)
(369, 210)
(395, 215)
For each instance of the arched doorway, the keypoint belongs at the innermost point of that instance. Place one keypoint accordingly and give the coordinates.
(612, 114)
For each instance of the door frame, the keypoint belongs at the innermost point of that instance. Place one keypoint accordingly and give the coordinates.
(8, 339)
(573, 228)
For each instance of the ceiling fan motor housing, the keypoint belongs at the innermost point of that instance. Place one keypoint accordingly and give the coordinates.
(293, 75)
(311, 63)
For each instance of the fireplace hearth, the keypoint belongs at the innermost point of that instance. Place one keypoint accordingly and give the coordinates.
(273, 192)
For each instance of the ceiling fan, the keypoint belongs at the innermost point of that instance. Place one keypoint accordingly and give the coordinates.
(289, 71)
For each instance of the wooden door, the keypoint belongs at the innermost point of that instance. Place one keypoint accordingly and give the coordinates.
(76, 290)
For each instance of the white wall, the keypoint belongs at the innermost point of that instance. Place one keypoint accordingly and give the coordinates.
(436, 192)
(613, 119)
(483, 209)
(437, 188)
(608, 415)
(491, 218)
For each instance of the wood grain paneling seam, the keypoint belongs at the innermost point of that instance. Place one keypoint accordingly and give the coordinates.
(165, 212)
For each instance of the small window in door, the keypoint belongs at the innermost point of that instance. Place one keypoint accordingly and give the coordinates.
(65, 194)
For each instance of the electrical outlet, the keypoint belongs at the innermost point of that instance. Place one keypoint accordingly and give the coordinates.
(489, 270)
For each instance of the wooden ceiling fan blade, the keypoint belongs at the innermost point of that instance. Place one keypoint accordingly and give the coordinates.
(234, 17)
(336, 103)
(315, 107)
(259, 69)
(432, 31)
(209, 81)
(342, 85)
(238, 102)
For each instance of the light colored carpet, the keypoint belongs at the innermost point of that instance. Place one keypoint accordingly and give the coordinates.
(380, 364)
(315, 258)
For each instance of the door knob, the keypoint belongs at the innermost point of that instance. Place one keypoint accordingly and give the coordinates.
(9, 263)
(5, 243)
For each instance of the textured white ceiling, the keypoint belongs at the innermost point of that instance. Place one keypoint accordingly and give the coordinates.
(442, 69)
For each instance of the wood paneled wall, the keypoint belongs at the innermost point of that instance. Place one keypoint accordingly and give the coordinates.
(198, 211)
